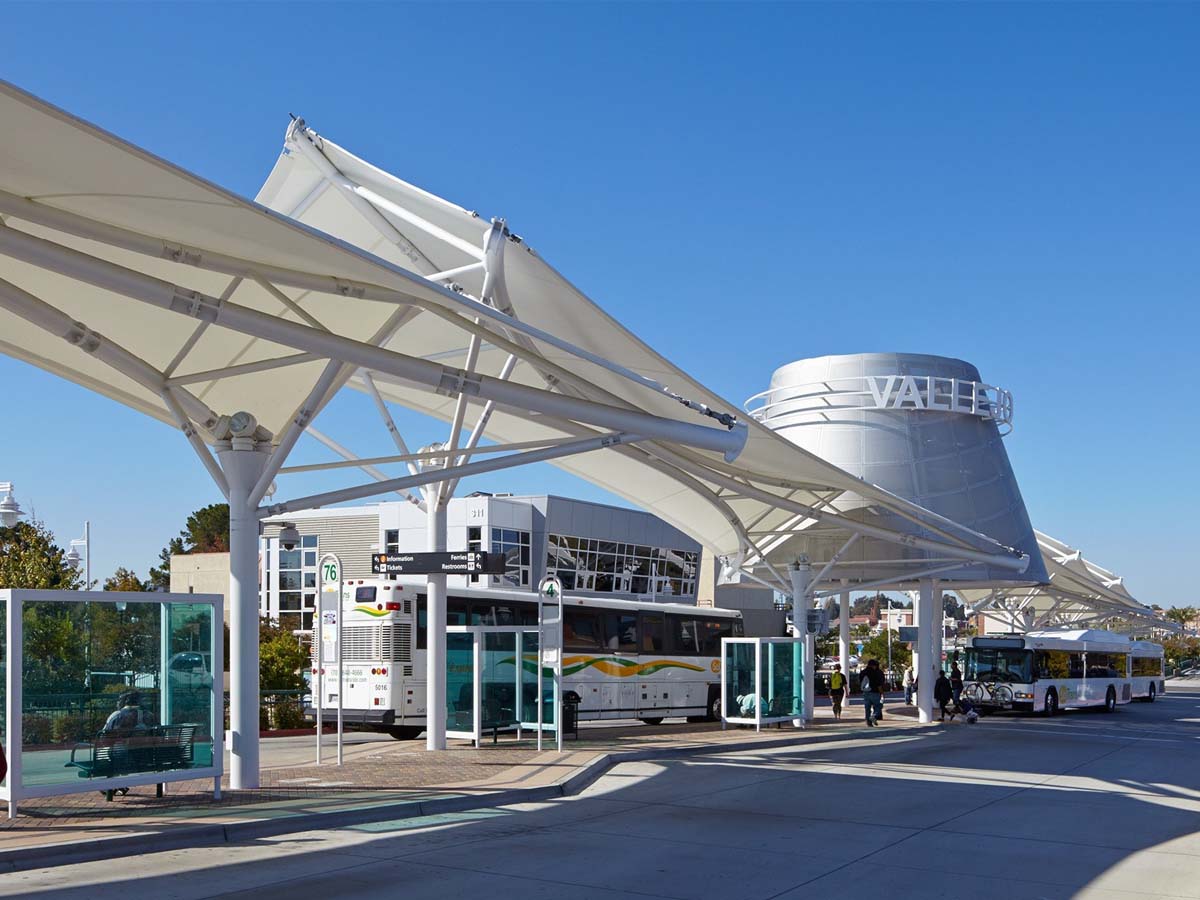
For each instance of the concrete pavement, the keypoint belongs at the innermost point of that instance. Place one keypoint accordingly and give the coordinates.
(1086, 805)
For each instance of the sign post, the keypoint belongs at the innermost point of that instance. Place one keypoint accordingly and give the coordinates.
(550, 589)
(329, 646)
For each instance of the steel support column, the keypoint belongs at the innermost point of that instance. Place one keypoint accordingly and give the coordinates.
(844, 635)
(435, 655)
(801, 575)
(923, 611)
(243, 462)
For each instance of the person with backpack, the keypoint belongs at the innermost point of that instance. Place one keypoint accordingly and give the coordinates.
(956, 684)
(837, 690)
(872, 687)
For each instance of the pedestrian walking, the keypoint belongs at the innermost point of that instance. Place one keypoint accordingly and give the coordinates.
(837, 690)
(909, 685)
(872, 685)
(943, 694)
(956, 685)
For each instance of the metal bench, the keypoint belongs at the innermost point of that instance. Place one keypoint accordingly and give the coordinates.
(159, 749)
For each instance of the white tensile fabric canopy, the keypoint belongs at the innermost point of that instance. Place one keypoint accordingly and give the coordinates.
(746, 512)
(128, 275)
(1079, 593)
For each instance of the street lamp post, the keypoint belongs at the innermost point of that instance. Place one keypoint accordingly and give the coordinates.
(73, 558)
(10, 510)
(888, 633)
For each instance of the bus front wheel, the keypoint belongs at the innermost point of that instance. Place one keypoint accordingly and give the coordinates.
(1150, 699)
(1110, 700)
(1051, 703)
(655, 720)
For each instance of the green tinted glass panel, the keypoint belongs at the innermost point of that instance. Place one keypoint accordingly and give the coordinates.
(460, 674)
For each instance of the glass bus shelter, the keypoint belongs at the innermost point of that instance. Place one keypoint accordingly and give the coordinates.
(108, 690)
(762, 681)
(493, 682)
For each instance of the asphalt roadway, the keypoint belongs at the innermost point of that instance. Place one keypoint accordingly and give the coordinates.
(1086, 805)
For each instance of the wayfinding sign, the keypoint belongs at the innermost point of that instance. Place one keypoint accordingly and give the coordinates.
(467, 562)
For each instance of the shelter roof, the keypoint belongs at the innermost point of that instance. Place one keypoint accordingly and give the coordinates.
(744, 511)
(1078, 592)
(175, 297)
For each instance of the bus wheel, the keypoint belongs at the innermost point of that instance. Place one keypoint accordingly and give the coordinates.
(714, 707)
(1051, 703)
(656, 720)
(1110, 700)
(1150, 699)
(405, 732)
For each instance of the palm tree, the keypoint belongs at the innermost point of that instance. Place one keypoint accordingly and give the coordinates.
(1182, 614)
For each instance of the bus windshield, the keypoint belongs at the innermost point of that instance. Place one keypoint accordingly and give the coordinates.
(999, 665)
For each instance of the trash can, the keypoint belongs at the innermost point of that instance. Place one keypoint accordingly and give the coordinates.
(570, 713)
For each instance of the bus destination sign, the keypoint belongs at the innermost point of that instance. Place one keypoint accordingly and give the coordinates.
(468, 562)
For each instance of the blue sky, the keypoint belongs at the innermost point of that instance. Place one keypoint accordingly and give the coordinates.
(742, 185)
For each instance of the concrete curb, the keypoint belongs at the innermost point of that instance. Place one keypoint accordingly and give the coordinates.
(172, 838)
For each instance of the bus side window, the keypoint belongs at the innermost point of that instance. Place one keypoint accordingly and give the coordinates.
(652, 632)
(620, 632)
(711, 632)
(422, 622)
(1075, 665)
(456, 614)
(685, 635)
(581, 631)
(1052, 663)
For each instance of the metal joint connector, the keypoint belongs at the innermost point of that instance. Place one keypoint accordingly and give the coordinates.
(346, 289)
(194, 304)
(181, 255)
(83, 337)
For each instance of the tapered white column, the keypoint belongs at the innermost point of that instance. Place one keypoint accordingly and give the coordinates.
(844, 635)
(435, 654)
(924, 613)
(801, 575)
(243, 462)
(938, 632)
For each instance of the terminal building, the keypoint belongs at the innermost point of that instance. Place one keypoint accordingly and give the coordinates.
(595, 549)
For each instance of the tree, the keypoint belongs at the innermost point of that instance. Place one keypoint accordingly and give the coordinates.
(206, 531)
(876, 647)
(125, 580)
(29, 558)
(280, 658)
(1182, 614)
(952, 608)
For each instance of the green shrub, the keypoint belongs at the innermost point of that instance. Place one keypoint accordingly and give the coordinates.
(36, 729)
(288, 714)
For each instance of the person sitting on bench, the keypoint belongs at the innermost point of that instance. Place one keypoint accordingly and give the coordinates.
(129, 718)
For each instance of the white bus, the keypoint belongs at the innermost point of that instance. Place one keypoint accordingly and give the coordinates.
(1045, 671)
(625, 659)
(1146, 670)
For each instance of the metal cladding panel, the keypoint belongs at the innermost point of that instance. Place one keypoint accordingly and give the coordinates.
(352, 538)
(923, 427)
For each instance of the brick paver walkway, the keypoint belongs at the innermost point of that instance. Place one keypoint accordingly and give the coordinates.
(379, 773)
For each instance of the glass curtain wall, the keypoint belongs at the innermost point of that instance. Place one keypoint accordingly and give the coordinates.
(615, 567)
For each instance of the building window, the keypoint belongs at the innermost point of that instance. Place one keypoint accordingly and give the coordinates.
(391, 541)
(295, 584)
(513, 545)
(614, 567)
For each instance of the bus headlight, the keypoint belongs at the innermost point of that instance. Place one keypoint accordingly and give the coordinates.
(1023, 696)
